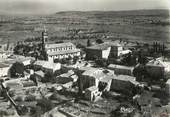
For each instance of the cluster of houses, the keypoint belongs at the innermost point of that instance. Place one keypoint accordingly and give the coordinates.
(91, 81)
(94, 81)
(6, 64)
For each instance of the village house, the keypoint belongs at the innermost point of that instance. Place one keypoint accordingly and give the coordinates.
(166, 64)
(66, 77)
(155, 69)
(26, 60)
(67, 85)
(96, 77)
(3, 55)
(100, 51)
(4, 69)
(124, 83)
(106, 50)
(92, 93)
(121, 70)
(22, 59)
(39, 75)
(6, 64)
(47, 66)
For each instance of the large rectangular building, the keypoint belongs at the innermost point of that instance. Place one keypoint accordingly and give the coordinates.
(155, 69)
(105, 50)
(100, 51)
(61, 50)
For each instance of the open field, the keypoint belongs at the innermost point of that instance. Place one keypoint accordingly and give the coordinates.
(143, 25)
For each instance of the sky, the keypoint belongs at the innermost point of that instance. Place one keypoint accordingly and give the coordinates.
(52, 6)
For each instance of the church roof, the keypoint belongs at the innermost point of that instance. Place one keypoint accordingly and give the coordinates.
(57, 45)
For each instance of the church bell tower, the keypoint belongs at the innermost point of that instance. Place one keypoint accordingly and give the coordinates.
(44, 36)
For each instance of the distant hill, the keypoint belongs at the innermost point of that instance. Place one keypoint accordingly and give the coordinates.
(161, 12)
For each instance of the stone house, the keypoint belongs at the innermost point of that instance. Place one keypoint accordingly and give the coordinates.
(92, 93)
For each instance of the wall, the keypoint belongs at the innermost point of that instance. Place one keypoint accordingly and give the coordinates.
(4, 71)
(91, 54)
(52, 58)
(122, 86)
(120, 71)
(116, 51)
(167, 87)
(87, 81)
(106, 53)
(155, 71)
(92, 95)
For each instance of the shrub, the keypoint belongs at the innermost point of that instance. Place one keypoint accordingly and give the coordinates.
(19, 99)
(30, 98)
(45, 104)
(17, 70)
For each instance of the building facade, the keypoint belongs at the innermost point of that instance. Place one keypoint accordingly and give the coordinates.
(47, 66)
(105, 50)
(155, 69)
(121, 70)
(100, 78)
(61, 50)
(100, 51)
(58, 50)
(4, 70)
(92, 93)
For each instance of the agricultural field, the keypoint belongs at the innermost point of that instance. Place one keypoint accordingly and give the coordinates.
(141, 25)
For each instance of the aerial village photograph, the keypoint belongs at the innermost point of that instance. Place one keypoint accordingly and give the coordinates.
(84, 58)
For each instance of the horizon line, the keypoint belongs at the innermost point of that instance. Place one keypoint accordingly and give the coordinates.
(50, 13)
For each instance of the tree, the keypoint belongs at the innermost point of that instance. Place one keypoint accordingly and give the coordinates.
(75, 59)
(99, 41)
(48, 77)
(33, 78)
(142, 58)
(43, 55)
(101, 62)
(17, 70)
(88, 43)
(45, 104)
(80, 46)
(140, 72)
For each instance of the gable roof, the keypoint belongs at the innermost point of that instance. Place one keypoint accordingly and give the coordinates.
(92, 88)
(114, 66)
(126, 78)
(155, 63)
(50, 65)
(40, 73)
(57, 45)
(46, 64)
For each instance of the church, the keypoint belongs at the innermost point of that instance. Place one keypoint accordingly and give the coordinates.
(58, 50)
